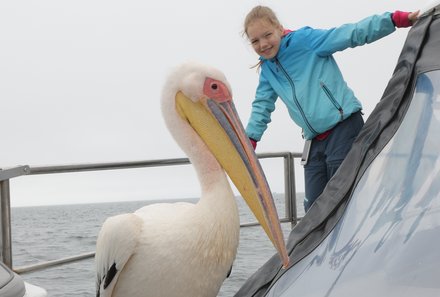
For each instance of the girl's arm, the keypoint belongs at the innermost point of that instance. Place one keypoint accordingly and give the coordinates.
(370, 29)
(262, 107)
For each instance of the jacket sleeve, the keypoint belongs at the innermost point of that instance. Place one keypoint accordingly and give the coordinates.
(262, 107)
(370, 29)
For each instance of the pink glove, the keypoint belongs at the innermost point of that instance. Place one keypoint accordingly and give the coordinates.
(253, 142)
(401, 19)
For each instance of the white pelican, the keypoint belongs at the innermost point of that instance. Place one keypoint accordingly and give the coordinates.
(185, 249)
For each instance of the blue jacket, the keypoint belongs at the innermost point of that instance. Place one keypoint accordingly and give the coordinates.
(305, 76)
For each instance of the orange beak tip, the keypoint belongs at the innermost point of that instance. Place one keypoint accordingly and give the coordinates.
(286, 262)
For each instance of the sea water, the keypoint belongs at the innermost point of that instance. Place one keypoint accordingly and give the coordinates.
(47, 233)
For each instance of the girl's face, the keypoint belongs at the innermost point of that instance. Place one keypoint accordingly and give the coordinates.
(264, 37)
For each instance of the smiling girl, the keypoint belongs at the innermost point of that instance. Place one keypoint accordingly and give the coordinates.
(298, 67)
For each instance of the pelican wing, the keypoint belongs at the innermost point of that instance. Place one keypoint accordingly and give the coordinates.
(116, 243)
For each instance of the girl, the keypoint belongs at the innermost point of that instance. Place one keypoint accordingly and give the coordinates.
(298, 67)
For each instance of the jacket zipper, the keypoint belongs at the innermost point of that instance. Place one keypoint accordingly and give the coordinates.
(333, 100)
(292, 85)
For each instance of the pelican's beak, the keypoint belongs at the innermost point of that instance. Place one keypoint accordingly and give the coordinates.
(217, 123)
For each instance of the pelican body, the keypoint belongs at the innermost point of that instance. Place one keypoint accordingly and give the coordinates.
(185, 249)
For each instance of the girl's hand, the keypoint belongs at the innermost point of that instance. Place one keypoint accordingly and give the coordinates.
(413, 16)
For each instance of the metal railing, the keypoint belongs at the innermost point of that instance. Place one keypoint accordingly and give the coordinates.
(5, 199)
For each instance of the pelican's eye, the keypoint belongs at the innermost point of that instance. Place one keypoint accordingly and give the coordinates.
(216, 90)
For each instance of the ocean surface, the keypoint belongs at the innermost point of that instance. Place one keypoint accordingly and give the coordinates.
(46, 233)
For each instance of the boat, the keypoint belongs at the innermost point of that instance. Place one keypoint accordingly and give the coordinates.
(11, 284)
(374, 229)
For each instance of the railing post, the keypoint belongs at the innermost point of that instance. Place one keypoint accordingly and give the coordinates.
(5, 217)
(290, 189)
(5, 211)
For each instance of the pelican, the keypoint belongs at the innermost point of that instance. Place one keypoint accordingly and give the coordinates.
(185, 249)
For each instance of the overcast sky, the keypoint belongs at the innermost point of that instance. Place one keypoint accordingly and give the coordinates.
(80, 82)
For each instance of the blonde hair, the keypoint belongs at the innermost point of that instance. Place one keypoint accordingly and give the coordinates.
(257, 13)
(261, 12)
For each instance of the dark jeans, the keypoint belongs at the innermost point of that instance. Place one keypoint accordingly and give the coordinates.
(326, 156)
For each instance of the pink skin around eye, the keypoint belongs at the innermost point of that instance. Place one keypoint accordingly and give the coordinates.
(216, 89)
